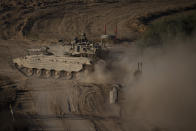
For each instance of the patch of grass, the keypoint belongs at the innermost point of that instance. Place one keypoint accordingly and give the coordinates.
(169, 28)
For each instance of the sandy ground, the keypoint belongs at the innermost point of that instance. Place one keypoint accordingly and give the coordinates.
(70, 105)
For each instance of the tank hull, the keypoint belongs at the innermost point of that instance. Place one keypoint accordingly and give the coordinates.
(47, 66)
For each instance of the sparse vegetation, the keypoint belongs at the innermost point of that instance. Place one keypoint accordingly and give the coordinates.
(169, 28)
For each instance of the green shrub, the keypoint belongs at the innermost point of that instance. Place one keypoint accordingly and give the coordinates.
(169, 28)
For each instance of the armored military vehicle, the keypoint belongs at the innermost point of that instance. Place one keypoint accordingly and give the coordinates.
(60, 60)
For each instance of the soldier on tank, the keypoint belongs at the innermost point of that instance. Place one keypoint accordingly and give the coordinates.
(83, 37)
(76, 40)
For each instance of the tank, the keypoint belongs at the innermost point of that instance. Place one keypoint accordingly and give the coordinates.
(60, 60)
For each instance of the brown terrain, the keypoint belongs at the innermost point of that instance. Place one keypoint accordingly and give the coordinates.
(65, 19)
(71, 105)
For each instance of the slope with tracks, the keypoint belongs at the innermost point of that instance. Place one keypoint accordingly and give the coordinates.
(57, 20)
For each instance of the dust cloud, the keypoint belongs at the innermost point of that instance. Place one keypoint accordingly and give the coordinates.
(117, 68)
(163, 98)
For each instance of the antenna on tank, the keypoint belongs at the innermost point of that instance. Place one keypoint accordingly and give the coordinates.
(140, 61)
(116, 31)
(105, 29)
(139, 66)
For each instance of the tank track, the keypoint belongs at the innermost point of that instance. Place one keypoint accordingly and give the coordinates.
(43, 73)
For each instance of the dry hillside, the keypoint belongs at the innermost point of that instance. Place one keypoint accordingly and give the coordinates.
(44, 19)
